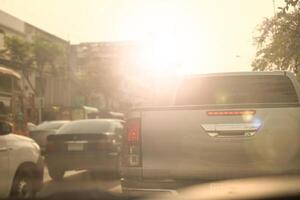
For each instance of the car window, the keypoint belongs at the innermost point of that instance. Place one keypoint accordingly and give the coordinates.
(236, 90)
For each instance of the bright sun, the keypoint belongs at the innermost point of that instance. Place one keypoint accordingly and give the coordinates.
(172, 42)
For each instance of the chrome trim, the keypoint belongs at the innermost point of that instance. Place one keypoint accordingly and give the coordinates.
(230, 127)
(215, 130)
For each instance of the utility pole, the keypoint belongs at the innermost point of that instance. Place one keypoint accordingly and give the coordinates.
(40, 99)
(274, 13)
(274, 8)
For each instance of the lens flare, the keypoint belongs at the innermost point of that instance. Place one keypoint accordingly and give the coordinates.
(247, 117)
(256, 122)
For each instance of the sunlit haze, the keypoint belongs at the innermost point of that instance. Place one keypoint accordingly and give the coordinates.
(198, 36)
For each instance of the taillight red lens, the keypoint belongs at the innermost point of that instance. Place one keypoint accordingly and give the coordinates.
(231, 112)
(133, 130)
(131, 151)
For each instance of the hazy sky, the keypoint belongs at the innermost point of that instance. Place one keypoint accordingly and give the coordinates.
(216, 34)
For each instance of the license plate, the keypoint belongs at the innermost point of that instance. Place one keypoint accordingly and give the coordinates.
(75, 147)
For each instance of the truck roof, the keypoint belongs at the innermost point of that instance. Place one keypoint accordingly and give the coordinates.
(248, 73)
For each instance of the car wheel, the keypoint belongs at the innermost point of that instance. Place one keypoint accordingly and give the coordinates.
(23, 184)
(56, 173)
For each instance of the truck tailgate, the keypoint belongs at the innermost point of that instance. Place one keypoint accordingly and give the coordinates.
(217, 143)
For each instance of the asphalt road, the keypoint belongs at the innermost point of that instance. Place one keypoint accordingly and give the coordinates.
(77, 181)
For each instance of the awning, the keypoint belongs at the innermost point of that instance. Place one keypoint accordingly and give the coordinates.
(10, 72)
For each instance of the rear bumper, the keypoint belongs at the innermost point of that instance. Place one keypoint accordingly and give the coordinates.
(137, 187)
(89, 161)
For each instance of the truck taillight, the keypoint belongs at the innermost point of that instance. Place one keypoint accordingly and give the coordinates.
(132, 143)
(133, 131)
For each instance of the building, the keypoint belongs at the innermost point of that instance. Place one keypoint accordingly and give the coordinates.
(56, 88)
(110, 62)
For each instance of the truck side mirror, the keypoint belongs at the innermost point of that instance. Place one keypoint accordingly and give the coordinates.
(5, 128)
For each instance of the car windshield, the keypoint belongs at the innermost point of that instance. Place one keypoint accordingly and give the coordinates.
(86, 126)
(51, 125)
(143, 97)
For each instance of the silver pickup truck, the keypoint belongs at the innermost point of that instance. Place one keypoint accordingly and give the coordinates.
(220, 126)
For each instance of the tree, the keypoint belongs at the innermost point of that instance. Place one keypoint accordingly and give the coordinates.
(49, 57)
(20, 55)
(40, 55)
(278, 40)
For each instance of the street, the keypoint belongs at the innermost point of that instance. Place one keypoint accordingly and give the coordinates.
(76, 181)
(150, 99)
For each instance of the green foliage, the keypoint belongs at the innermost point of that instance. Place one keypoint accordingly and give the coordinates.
(37, 54)
(278, 40)
(20, 52)
(40, 55)
(48, 54)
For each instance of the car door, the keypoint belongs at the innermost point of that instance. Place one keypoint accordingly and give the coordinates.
(4, 162)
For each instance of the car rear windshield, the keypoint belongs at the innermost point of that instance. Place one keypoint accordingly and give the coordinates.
(86, 126)
(236, 90)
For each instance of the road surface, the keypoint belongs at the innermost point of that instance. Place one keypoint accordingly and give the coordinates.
(77, 181)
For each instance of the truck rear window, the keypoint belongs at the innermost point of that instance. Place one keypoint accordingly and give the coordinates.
(236, 90)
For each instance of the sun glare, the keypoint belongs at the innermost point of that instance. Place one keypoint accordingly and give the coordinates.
(171, 43)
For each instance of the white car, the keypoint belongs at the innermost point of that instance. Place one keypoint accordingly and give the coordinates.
(21, 166)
